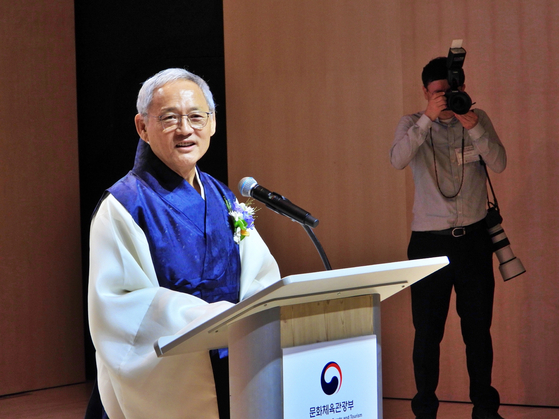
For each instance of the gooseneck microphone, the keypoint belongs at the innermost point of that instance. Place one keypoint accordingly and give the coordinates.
(277, 203)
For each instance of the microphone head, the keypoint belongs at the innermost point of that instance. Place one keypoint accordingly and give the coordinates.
(246, 185)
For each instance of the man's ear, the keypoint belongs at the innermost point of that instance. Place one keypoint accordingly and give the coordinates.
(462, 88)
(212, 124)
(425, 93)
(141, 127)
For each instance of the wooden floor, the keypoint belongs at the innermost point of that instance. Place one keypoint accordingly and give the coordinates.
(69, 403)
(401, 409)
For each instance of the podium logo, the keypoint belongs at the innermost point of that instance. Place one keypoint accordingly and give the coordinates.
(334, 385)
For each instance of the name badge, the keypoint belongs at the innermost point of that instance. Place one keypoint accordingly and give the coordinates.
(470, 155)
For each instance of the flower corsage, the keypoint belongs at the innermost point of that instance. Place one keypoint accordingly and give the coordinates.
(242, 219)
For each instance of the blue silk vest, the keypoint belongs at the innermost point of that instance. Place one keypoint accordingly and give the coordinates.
(190, 239)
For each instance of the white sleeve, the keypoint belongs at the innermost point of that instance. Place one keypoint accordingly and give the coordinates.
(487, 143)
(410, 135)
(259, 269)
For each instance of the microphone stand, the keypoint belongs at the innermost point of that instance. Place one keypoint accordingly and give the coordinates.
(318, 246)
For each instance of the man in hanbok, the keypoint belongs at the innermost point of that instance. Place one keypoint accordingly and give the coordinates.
(166, 249)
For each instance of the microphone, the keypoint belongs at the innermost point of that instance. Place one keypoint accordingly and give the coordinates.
(277, 203)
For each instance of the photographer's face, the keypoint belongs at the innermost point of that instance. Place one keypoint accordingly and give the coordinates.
(436, 88)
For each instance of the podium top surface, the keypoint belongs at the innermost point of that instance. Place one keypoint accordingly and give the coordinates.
(384, 279)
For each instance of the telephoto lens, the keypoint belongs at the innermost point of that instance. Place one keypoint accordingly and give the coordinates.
(509, 265)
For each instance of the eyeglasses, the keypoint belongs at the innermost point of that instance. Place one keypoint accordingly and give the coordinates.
(171, 121)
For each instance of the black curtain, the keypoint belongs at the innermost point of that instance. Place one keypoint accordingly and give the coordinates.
(119, 44)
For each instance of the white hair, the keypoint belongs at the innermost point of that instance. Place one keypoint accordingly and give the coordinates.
(145, 96)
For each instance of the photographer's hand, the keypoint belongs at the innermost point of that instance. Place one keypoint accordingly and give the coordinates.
(468, 120)
(435, 105)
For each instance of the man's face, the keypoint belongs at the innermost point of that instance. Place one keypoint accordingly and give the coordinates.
(440, 86)
(180, 148)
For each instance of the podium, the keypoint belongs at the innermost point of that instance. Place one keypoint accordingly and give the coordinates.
(298, 311)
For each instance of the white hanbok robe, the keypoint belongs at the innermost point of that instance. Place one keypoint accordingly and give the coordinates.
(129, 311)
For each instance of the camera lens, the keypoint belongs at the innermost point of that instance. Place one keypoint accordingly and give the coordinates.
(509, 265)
(458, 102)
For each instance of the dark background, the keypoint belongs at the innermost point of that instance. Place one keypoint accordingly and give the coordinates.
(120, 44)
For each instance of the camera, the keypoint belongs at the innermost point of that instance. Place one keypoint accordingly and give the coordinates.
(457, 101)
(509, 265)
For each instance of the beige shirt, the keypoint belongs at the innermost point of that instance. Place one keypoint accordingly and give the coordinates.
(416, 136)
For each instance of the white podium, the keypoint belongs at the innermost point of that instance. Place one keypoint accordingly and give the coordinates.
(298, 310)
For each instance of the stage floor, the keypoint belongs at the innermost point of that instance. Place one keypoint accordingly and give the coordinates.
(401, 409)
(69, 402)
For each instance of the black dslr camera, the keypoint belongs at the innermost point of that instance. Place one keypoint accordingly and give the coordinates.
(457, 101)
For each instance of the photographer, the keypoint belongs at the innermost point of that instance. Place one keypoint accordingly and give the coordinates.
(443, 148)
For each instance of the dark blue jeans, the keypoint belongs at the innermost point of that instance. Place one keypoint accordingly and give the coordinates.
(470, 274)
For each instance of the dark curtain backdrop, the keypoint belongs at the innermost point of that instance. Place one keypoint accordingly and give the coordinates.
(118, 46)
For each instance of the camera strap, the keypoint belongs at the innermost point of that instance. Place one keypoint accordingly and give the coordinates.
(489, 203)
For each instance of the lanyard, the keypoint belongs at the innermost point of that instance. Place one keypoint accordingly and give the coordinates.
(437, 174)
